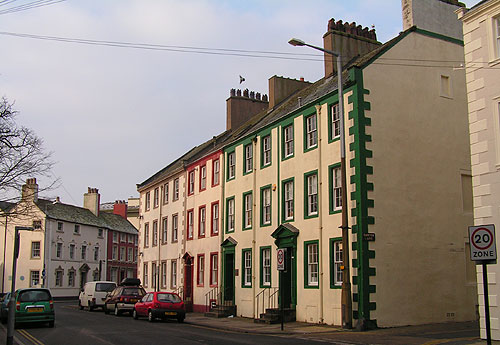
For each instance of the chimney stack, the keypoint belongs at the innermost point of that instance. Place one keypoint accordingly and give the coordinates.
(29, 191)
(433, 15)
(120, 208)
(281, 88)
(92, 200)
(240, 108)
(349, 40)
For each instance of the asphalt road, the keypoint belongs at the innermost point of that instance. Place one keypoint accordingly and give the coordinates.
(81, 327)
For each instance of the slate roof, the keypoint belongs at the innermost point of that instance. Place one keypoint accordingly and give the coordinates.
(5, 206)
(80, 215)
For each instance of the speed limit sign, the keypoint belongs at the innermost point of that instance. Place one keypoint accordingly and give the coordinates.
(281, 259)
(482, 243)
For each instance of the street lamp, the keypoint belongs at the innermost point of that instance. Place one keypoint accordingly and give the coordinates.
(12, 302)
(346, 277)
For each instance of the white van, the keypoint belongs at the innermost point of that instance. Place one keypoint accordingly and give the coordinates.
(93, 294)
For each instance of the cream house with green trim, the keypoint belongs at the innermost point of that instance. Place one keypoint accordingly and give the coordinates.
(408, 184)
(481, 28)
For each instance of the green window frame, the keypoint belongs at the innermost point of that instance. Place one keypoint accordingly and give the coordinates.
(335, 263)
(230, 202)
(333, 189)
(263, 283)
(288, 141)
(311, 267)
(263, 211)
(333, 129)
(263, 139)
(309, 195)
(247, 214)
(286, 201)
(310, 132)
(248, 157)
(231, 165)
(246, 268)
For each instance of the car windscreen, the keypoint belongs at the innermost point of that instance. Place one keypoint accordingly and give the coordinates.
(104, 287)
(133, 292)
(168, 297)
(34, 296)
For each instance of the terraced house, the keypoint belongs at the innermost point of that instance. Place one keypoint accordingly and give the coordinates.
(67, 247)
(408, 186)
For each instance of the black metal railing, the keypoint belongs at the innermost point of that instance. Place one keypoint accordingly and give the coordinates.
(267, 298)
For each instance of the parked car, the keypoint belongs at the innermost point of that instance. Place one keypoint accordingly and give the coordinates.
(33, 305)
(124, 297)
(4, 307)
(160, 305)
(94, 294)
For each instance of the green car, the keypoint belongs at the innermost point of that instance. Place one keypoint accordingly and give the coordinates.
(34, 305)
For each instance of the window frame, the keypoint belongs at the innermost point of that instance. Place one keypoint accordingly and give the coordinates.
(32, 279)
(308, 283)
(263, 162)
(214, 271)
(215, 172)
(190, 224)
(59, 248)
(285, 141)
(248, 158)
(285, 216)
(263, 283)
(165, 193)
(203, 177)
(246, 272)
(310, 133)
(156, 197)
(333, 122)
(175, 190)
(147, 202)
(191, 181)
(333, 188)
(146, 235)
(200, 270)
(173, 273)
(214, 230)
(263, 206)
(175, 228)
(164, 230)
(202, 221)
(246, 212)
(229, 201)
(307, 211)
(231, 165)
(154, 234)
(36, 250)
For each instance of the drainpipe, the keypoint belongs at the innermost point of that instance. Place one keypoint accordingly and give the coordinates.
(183, 231)
(321, 273)
(160, 229)
(254, 224)
(47, 252)
(222, 176)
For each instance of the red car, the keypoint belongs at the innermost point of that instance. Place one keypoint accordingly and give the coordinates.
(160, 305)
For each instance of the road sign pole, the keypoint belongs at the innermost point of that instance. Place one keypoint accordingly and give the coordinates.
(281, 302)
(486, 303)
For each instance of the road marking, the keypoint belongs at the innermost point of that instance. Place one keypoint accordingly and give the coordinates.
(28, 336)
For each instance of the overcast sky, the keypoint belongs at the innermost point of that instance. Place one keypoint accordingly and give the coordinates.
(113, 116)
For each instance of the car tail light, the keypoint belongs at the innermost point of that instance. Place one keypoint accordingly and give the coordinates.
(51, 303)
(18, 306)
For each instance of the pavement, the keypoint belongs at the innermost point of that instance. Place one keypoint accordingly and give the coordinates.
(451, 333)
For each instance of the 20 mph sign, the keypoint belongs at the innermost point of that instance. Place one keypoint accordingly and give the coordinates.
(482, 243)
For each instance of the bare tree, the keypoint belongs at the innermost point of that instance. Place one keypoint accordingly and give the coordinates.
(21, 153)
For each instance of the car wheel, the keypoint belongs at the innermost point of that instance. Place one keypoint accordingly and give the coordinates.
(180, 319)
(117, 312)
(80, 305)
(105, 308)
(134, 314)
(51, 324)
(150, 316)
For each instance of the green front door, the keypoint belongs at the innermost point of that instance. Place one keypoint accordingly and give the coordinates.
(286, 237)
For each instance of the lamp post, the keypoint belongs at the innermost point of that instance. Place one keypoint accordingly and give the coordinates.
(346, 276)
(12, 302)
